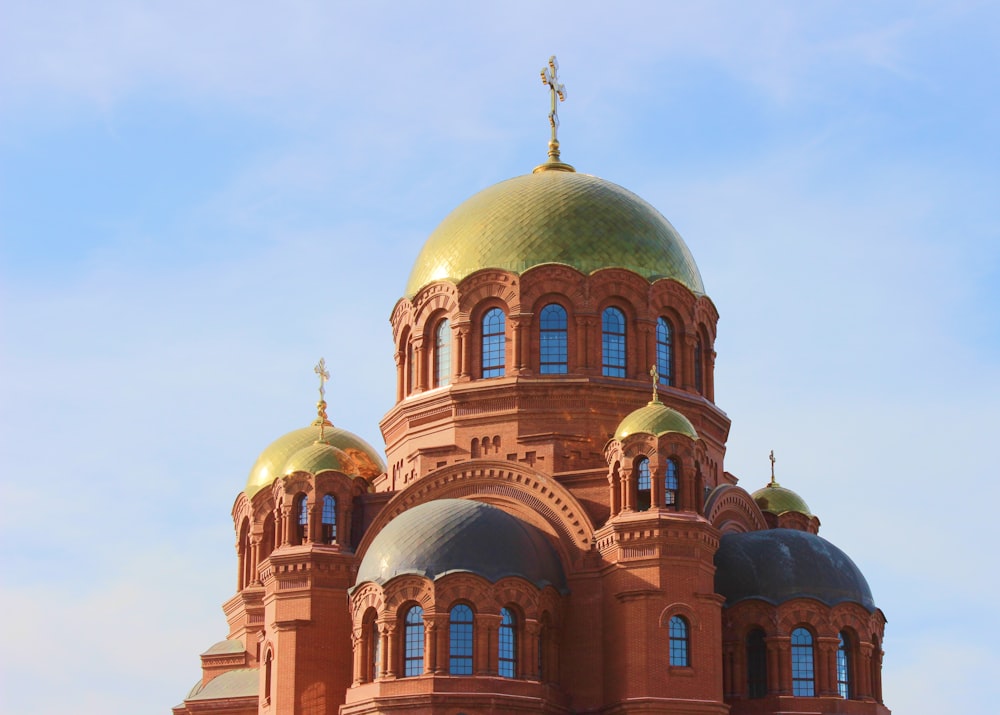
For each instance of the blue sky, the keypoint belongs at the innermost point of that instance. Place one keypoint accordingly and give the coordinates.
(197, 201)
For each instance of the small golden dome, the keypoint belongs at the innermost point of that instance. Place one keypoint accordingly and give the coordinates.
(302, 450)
(555, 217)
(777, 500)
(656, 419)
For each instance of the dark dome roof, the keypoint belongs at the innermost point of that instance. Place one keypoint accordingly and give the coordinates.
(447, 535)
(777, 565)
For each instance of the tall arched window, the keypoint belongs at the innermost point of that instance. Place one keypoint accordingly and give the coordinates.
(494, 343)
(643, 483)
(303, 518)
(664, 351)
(442, 353)
(844, 666)
(374, 641)
(699, 373)
(552, 340)
(413, 642)
(756, 664)
(613, 343)
(803, 677)
(507, 644)
(460, 640)
(670, 484)
(411, 369)
(329, 519)
(268, 659)
(680, 643)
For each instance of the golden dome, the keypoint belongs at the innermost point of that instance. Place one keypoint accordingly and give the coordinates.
(656, 419)
(777, 500)
(303, 450)
(554, 217)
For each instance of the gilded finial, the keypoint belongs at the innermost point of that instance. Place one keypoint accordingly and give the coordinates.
(655, 374)
(774, 482)
(322, 421)
(557, 90)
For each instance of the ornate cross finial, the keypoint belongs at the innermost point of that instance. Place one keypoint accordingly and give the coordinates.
(556, 89)
(655, 374)
(324, 376)
(322, 421)
(773, 460)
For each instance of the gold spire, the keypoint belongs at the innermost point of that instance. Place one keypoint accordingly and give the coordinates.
(773, 483)
(322, 421)
(655, 374)
(556, 89)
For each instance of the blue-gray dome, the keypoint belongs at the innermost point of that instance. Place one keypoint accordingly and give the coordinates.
(777, 565)
(448, 535)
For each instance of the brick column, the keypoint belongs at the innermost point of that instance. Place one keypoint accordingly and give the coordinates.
(826, 666)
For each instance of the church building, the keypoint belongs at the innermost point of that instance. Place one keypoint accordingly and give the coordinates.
(550, 527)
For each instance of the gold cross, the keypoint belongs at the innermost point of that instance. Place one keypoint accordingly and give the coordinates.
(324, 375)
(321, 419)
(556, 89)
(655, 374)
(773, 460)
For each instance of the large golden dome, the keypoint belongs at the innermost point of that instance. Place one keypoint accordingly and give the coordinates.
(554, 216)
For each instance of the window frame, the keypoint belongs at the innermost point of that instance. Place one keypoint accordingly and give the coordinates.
(329, 519)
(671, 482)
(441, 364)
(493, 345)
(558, 334)
(803, 661)
(414, 639)
(302, 519)
(507, 642)
(844, 684)
(643, 484)
(462, 632)
(679, 641)
(665, 351)
(614, 344)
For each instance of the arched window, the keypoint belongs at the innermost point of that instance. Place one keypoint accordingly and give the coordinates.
(413, 642)
(460, 640)
(507, 644)
(644, 484)
(442, 354)
(844, 666)
(756, 664)
(372, 640)
(699, 372)
(267, 675)
(411, 369)
(494, 343)
(803, 678)
(329, 519)
(664, 351)
(552, 340)
(613, 343)
(876, 669)
(302, 508)
(670, 484)
(680, 643)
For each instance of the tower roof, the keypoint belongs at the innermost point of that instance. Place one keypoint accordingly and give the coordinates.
(555, 216)
(447, 535)
(656, 419)
(303, 450)
(777, 565)
(776, 499)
